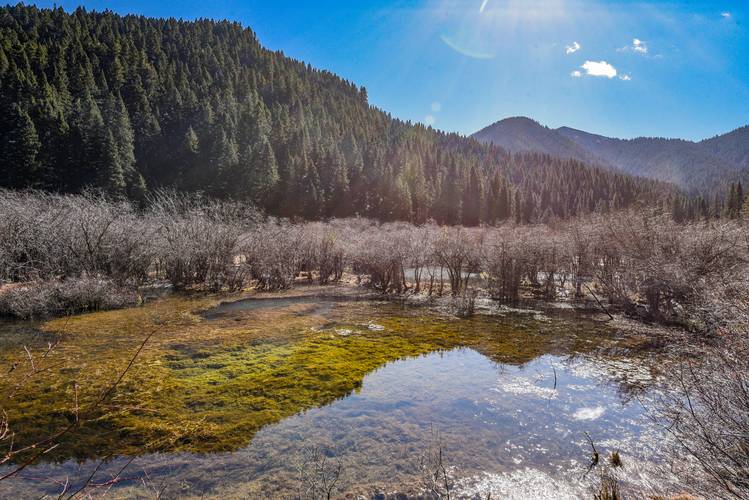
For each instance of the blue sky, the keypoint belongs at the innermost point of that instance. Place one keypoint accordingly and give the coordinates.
(619, 68)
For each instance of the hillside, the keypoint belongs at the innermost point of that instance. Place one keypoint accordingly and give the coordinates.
(732, 147)
(684, 163)
(519, 134)
(706, 166)
(131, 104)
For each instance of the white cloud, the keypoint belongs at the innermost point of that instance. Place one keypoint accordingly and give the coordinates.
(727, 15)
(576, 74)
(637, 46)
(626, 78)
(429, 120)
(571, 49)
(599, 68)
(436, 107)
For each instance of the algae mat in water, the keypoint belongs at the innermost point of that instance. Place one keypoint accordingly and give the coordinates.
(209, 383)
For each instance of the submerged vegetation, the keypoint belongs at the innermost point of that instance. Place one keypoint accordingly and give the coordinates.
(209, 385)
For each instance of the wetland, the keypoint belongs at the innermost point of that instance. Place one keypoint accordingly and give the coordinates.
(231, 398)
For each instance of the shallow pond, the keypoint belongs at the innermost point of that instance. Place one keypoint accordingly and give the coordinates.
(254, 399)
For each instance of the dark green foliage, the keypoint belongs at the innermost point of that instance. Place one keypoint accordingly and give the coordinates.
(132, 104)
(19, 148)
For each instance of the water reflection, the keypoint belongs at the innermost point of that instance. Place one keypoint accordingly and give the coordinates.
(503, 428)
(511, 400)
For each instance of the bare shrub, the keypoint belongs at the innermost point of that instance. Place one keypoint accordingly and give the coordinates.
(199, 241)
(73, 295)
(46, 236)
(504, 262)
(380, 254)
(465, 305)
(275, 254)
(319, 474)
(419, 257)
(706, 410)
(435, 476)
(669, 267)
(16, 457)
(458, 250)
(327, 251)
(30, 247)
(707, 413)
(641, 261)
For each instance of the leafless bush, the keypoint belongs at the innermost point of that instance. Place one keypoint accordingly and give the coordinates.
(199, 241)
(458, 250)
(327, 251)
(707, 413)
(319, 474)
(504, 263)
(642, 262)
(16, 457)
(671, 268)
(465, 305)
(706, 409)
(29, 248)
(435, 477)
(419, 256)
(380, 254)
(73, 295)
(275, 254)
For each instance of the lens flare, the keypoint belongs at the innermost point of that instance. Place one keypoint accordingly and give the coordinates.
(466, 51)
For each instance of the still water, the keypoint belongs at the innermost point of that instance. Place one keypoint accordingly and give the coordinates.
(228, 400)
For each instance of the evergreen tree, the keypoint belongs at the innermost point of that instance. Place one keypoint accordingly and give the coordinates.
(264, 178)
(472, 200)
(19, 150)
(112, 178)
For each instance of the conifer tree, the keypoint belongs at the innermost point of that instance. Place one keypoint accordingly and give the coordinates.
(19, 150)
(264, 178)
(112, 176)
(472, 200)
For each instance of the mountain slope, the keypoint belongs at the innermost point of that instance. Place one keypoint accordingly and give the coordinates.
(129, 104)
(683, 163)
(732, 147)
(704, 166)
(520, 134)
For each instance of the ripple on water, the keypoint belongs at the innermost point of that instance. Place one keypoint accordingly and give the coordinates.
(520, 484)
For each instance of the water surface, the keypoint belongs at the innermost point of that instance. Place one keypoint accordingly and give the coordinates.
(227, 401)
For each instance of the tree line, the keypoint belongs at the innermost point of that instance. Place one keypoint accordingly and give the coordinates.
(129, 105)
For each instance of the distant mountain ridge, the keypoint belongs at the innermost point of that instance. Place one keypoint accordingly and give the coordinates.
(696, 166)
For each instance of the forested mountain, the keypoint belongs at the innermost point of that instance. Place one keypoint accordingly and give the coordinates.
(704, 167)
(520, 134)
(131, 104)
(732, 147)
(685, 163)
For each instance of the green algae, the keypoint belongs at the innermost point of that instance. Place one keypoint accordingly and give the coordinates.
(209, 385)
